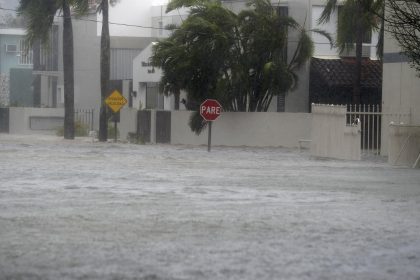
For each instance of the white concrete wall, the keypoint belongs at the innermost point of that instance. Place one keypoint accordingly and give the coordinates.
(245, 129)
(404, 145)
(87, 87)
(331, 137)
(400, 91)
(19, 119)
(401, 83)
(143, 74)
(128, 122)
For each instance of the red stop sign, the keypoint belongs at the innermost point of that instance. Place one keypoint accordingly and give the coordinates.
(210, 109)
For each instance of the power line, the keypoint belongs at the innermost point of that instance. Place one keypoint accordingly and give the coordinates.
(134, 25)
(99, 21)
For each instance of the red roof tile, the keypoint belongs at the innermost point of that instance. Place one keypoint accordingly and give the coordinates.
(339, 72)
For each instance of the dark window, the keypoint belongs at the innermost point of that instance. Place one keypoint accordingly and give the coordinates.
(154, 99)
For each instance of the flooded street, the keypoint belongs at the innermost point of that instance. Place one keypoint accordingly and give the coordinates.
(83, 210)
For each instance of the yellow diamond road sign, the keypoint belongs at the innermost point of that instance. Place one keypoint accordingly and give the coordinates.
(115, 101)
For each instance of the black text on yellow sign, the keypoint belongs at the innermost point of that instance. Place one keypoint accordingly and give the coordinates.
(115, 101)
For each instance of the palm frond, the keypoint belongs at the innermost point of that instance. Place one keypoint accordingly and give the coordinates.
(304, 50)
(177, 4)
(79, 7)
(40, 17)
(197, 123)
(325, 34)
(330, 7)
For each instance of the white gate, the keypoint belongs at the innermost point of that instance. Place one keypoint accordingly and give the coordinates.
(371, 118)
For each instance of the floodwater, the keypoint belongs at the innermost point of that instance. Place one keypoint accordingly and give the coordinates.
(83, 210)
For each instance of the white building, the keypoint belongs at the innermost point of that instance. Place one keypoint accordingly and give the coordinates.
(322, 46)
(145, 77)
(400, 103)
(86, 36)
(134, 25)
(306, 13)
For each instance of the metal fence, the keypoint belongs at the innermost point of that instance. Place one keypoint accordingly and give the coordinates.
(371, 118)
(85, 117)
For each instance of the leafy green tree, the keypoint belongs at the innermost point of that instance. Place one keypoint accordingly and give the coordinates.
(356, 19)
(238, 59)
(39, 15)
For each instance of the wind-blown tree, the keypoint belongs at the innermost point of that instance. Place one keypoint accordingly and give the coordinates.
(403, 23)
(265, 66)
(171, 58)
(237, 59)
(197, 54)
(39, 15)
(356, 19)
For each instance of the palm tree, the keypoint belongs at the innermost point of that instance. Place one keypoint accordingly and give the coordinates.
(170, 57)
(103, 8)
(264, 40)
(243, 56)
(40, 16)
(237, 59)
(105, 70)
(356, 19)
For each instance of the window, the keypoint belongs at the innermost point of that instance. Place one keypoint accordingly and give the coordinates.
(48, 56)
(283, 11)
(11, 48)
(154, 99)
(25, 53)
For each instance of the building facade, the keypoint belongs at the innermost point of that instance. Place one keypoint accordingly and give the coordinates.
(16, 62)
(145, 82)
(306, 13)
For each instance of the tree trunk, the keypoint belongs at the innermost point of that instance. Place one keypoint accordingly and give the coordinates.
(358, 64)
(177, 93)
(105, 72)
(68, 67)
(36, 81)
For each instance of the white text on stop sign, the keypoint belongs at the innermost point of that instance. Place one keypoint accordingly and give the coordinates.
(212, 110)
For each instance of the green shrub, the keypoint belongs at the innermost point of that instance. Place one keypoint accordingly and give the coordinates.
(133, 138)
(80, 129)
(111, 131)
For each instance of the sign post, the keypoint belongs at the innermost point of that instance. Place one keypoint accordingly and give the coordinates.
(115, 102)
(210, 110)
